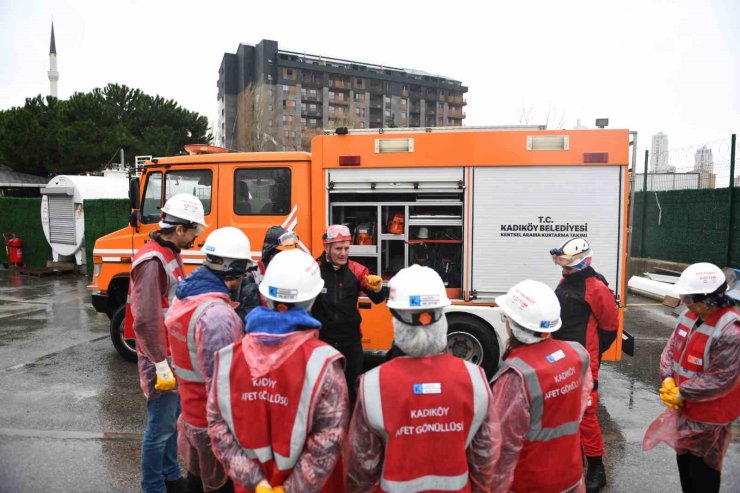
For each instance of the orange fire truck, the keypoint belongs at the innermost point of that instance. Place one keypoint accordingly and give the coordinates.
(481, 206)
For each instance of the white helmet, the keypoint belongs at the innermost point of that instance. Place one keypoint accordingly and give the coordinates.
(572, 252)
(701, 278)
(182, 208)
(533, 305)
(228, 242)
(293, 276)
(228, 251)
(417, 288)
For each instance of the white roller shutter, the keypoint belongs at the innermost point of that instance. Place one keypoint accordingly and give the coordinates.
(61, 220)
(520, 213)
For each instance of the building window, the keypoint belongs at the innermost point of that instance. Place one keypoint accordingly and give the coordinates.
(285, 88)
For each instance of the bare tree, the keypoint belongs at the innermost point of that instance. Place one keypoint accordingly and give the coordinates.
(257, 129)
(553, 118)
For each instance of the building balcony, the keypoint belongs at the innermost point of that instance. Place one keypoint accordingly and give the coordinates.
(375, 89)
(342, 101)
(315, 113)
(309, 97)
(339, 84)
(376, 105)
(312, 82)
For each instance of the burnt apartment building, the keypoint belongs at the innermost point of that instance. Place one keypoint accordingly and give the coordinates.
(272, 99)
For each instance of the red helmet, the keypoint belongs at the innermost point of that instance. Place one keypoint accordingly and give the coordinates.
(335, 233)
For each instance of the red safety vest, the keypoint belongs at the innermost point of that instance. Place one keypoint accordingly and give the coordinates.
(554, 373)
(691, 357)
(181, 332)
(427, 410)
(172, 266)
(270, 416)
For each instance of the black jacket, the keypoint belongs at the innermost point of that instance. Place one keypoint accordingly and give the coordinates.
(336, 306)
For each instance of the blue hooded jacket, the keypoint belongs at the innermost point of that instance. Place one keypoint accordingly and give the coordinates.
(201, 280)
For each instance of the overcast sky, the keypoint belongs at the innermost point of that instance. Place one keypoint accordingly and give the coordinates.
(647, 65)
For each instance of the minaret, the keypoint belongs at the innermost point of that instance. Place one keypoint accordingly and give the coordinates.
(53, 74)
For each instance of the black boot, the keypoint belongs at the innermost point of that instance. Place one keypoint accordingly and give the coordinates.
(595, 476)
(178, 485)
(195, 485)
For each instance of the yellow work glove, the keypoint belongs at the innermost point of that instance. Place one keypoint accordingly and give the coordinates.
(263, 487)
(671, 397)
(374, 282)
(278, 489)
(165, 378)
(668, 383)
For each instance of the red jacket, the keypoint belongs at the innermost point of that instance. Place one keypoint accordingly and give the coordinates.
(589, 313)
(428, 410)
(691, 359)
(184, 348)
(270, 416)
(554, 373)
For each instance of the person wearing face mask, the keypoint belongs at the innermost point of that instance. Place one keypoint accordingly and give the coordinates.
(336, 306)
(590, 317)
(155, 271)
(423, 421)
(540, 395)
(700, 371)
(201, 321)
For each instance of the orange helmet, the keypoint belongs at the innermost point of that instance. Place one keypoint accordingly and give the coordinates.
(336, 233)
(395, 226)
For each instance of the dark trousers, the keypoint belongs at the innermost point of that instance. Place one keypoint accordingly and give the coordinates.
(352, 351)
(696, 476)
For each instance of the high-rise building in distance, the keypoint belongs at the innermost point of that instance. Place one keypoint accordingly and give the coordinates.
(659, 153)
(703, 160)
(272, 99)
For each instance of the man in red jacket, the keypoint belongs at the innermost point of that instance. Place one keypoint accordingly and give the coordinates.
(540, 394)
(277, 411)
(590, 317)
(424, 421)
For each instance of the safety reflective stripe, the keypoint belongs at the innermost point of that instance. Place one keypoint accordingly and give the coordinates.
(425, 483)
(196, 374)
(314, 371)
(169, 268)
(223, 386)
(372, 401)
(481, 399)
(712, 332)
(537, 405)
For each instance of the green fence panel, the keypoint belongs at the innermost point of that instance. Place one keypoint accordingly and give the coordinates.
(103, 216)
(22, 216)
(686, 226)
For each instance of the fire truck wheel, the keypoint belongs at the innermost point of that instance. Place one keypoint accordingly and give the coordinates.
(125, 347)
(473, 340)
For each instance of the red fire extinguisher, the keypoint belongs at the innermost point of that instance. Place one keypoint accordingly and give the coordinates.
(13, 247)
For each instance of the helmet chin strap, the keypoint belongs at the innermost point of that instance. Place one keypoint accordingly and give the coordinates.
(422, 318)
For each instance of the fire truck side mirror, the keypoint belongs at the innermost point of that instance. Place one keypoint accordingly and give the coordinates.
(134, 220)
(133, 193)
(133, 199)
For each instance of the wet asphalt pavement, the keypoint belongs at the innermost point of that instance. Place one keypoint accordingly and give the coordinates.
(72, 414)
